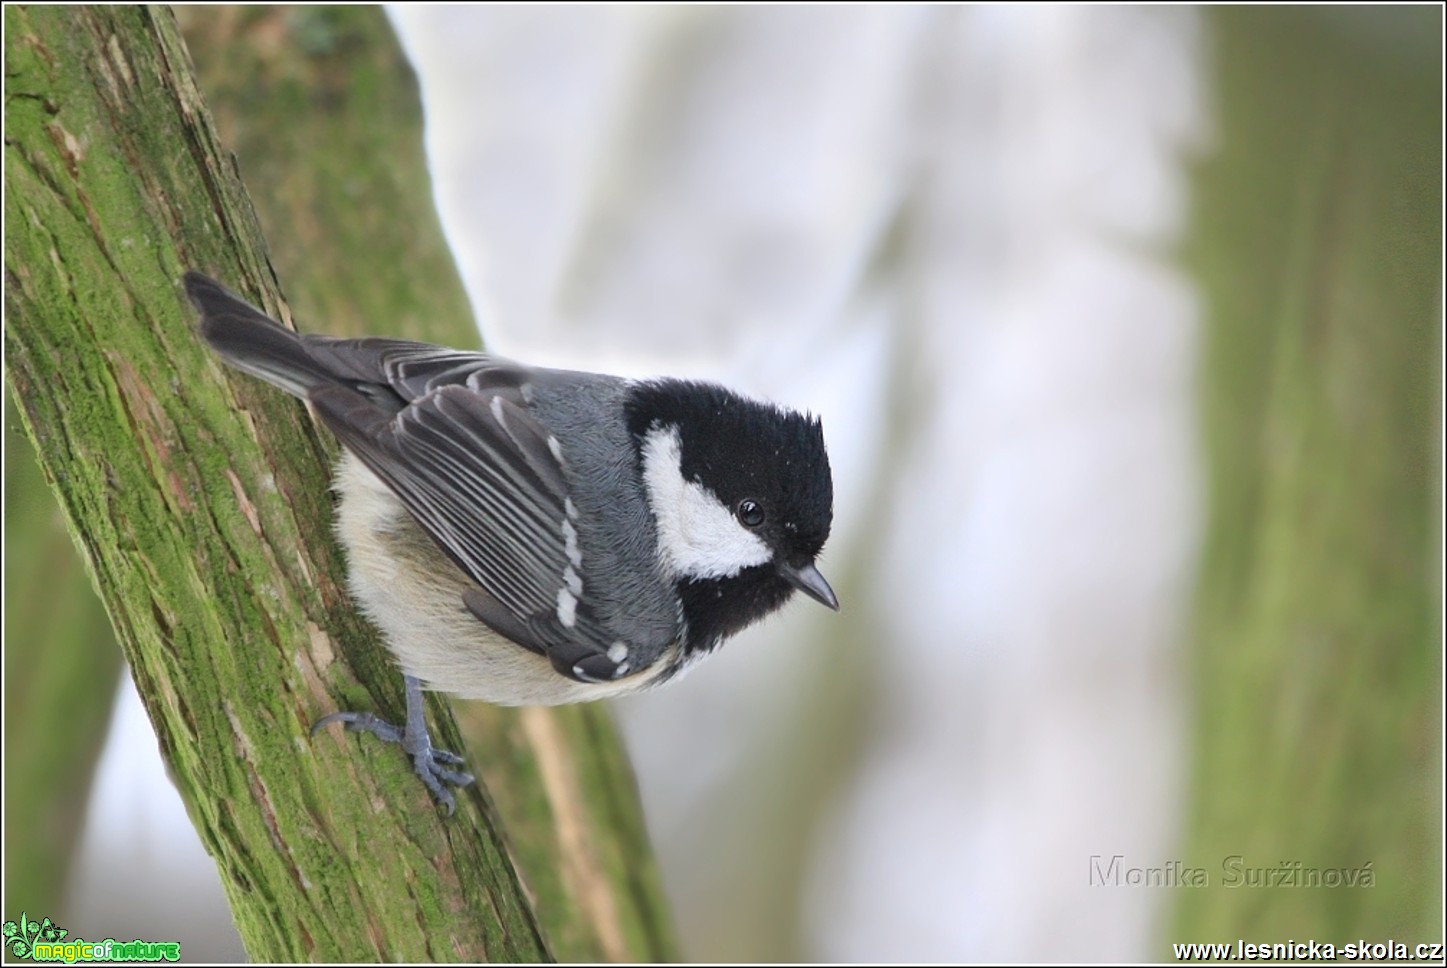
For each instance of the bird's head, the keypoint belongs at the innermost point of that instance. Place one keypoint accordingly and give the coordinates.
(742, 500)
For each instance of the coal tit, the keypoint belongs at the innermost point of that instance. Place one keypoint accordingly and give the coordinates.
(532, 536)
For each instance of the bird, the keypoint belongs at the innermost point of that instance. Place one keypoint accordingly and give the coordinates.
(534, 536)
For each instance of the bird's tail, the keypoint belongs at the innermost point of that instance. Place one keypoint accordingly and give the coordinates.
(252, 341)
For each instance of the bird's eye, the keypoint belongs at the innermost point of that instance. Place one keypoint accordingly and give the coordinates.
(750, 513)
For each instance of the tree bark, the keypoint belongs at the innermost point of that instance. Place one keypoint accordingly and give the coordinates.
(201, 503)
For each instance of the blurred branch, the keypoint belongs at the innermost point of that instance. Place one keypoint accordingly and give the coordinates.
(61, 667)
(204, 514)
(1318, 245)
(322, 110)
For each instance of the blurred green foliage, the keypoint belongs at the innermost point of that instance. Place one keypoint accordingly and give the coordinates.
(1317, 241)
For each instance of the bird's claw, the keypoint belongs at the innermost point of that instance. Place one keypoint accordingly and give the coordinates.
(431, 764)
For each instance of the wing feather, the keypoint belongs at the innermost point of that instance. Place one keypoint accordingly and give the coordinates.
(487, 483)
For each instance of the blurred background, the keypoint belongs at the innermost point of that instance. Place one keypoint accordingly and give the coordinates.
(1125, 328)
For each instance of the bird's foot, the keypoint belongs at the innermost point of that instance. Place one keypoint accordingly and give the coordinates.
(433, 765)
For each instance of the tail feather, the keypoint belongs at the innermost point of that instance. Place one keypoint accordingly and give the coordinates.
(252, 341)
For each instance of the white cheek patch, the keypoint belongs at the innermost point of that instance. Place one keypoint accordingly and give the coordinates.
(697, 536)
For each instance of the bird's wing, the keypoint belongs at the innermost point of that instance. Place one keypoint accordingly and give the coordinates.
(412, 370)
(487, 482)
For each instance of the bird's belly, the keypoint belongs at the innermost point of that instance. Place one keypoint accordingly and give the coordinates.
(413, 593)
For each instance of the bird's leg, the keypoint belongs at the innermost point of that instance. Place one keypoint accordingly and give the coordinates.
(431, 764)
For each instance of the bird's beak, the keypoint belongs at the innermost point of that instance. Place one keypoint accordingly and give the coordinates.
(808, 580)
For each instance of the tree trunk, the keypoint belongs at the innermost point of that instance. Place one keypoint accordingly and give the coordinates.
(201, 503)
(1317, 241)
